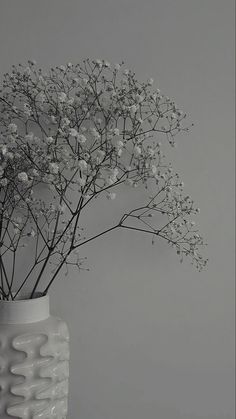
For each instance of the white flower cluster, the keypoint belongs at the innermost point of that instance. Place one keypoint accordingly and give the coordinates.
(82, 130)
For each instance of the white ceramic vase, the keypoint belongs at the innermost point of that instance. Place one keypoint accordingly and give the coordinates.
(34, 360)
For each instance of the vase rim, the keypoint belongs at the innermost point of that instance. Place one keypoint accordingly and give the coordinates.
(22, 311)
(23, 297)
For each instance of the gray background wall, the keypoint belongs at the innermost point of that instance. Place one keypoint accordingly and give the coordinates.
(150, 338)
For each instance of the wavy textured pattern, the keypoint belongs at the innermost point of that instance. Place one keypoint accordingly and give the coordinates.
(34, 370)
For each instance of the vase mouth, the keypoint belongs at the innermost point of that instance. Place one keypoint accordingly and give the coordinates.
(25, 297)
(25, 310)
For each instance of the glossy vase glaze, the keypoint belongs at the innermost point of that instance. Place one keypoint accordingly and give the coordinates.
(34, 361)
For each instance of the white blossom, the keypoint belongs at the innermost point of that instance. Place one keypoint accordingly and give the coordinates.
(70, 101)
(129, 182)
(95, 133)
(49, 140)
(137, 151)
(62, 97)
(73, 132)
(151, 152)
(119, 152)
(116, 131)
(61, 208)
(133, 109)
(4, 182)
(99, 62)
(12, 128)
(92, 130)
(29, 137)
(81, 181)
(119, 144)
(35, 172)
(65, 121)
(100, 156)
(115, 171)
(81, 138)
(27, 109)
(75, 80)
(111, 179)
(32, 233)
(27, 71)
(23, 177)
(84, 81)
(111, 195)
(41, 97)
(150, 81)
(153, 169)
(172, 229)
(86, 156)
(53, 167)
(87, 196)
(10, 155)
(12, 139)
(3, 149)
(82, 164)
(139, 98)
(65, 153)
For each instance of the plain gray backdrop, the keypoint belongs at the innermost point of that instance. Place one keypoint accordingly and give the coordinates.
(150, 338)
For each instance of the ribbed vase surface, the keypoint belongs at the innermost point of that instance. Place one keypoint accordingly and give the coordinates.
(34, 361)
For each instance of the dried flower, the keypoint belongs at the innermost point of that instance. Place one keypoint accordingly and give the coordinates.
(150, 82)
(12, 128)
(53, 167)
(73, 132)
(62, 96)
(93, 127)
(116, 131)
(82, 165)
(111, 195)
(23, 177)
(81, 139)
(137, 151)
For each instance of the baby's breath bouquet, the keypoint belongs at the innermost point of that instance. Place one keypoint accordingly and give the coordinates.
(72, 135)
